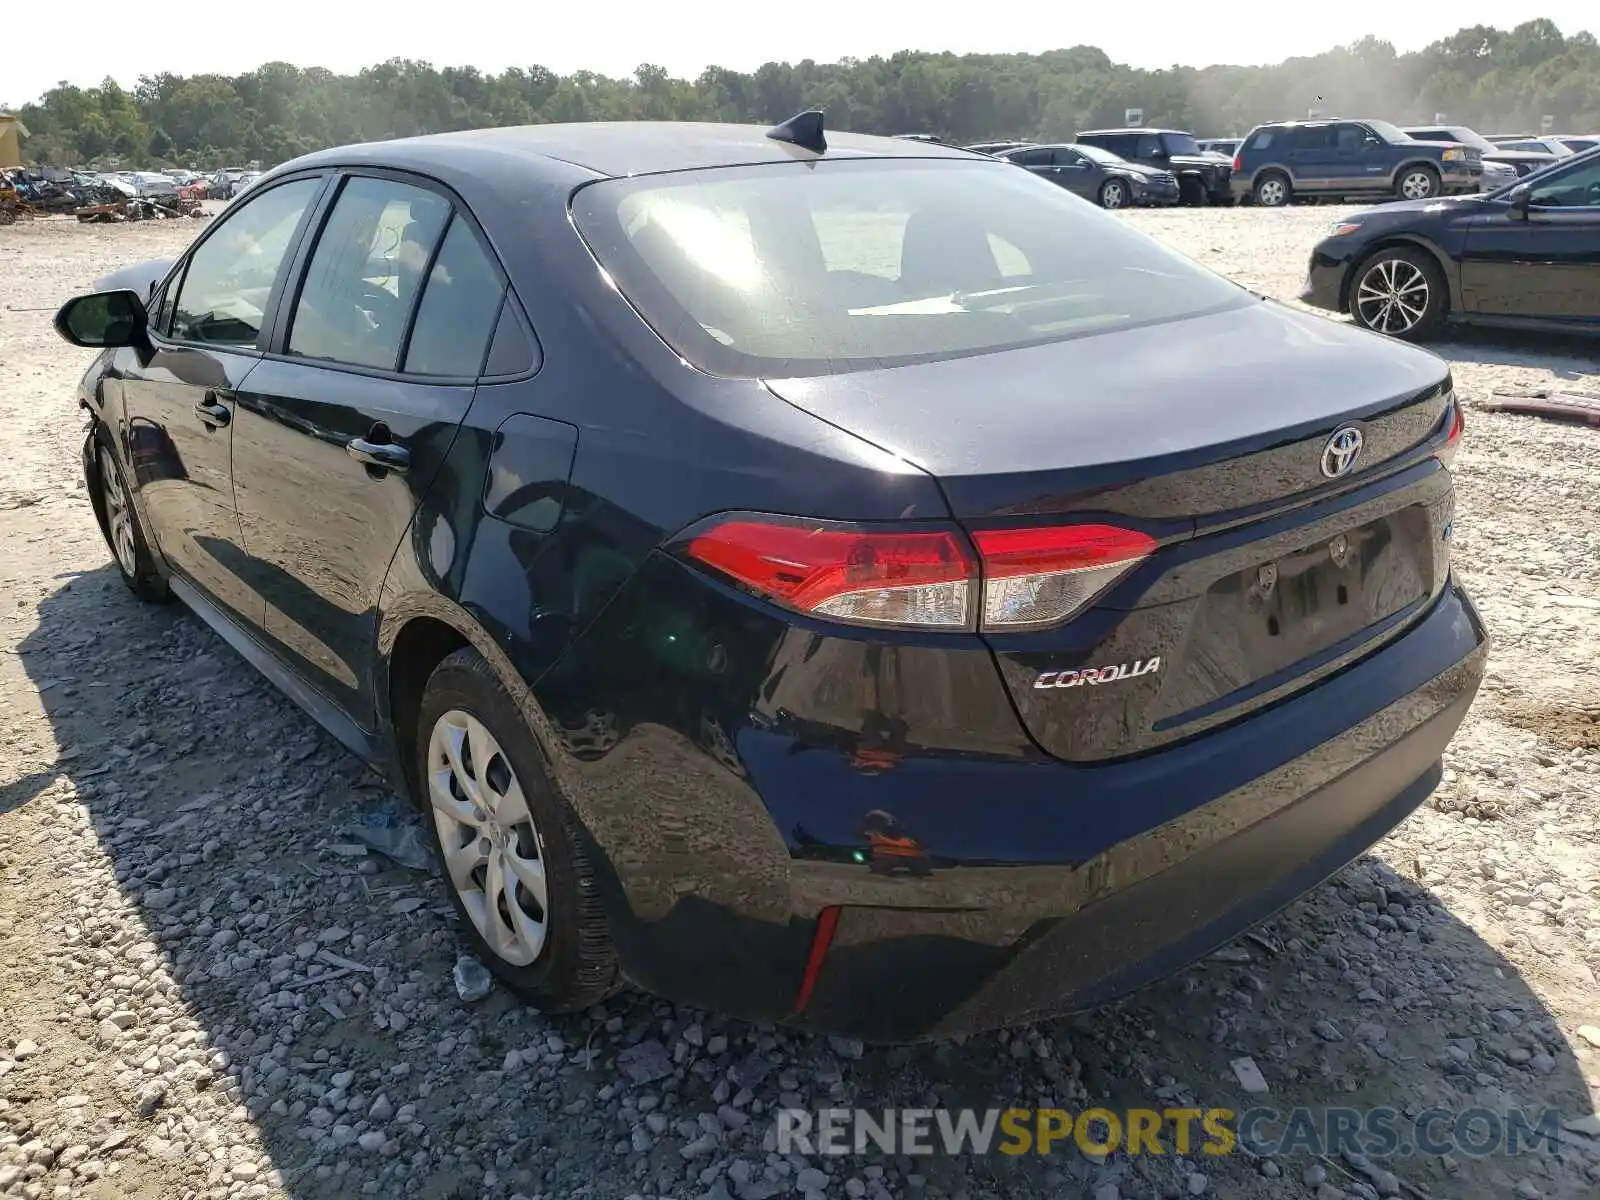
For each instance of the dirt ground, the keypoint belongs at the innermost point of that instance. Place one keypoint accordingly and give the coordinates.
(172, 871)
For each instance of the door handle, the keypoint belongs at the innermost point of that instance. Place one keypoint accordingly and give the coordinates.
(212, 413)
(382, 455)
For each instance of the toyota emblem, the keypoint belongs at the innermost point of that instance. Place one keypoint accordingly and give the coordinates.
(1340, 452)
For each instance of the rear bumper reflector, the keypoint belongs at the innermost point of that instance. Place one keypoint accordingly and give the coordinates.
(827, 922)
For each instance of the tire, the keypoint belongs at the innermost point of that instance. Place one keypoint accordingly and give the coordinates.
(1417, 183)
(1400, 292)
(119, 520)
(1114, 194)
(1272, 190)
(562, 959)
(1191, 192)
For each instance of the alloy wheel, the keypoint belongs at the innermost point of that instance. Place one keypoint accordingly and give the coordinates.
(1418, 185)
(493, 853)
(1113, 195)
(1392, 296)
(1271, 193)
(119, 520)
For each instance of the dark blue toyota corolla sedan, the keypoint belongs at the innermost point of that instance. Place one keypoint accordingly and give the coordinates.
(832, 579)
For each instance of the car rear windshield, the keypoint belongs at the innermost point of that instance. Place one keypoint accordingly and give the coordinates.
(825, 268)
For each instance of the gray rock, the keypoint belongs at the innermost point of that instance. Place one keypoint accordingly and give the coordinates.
(847, 1047)
(150, 1097)
(646, 1062)
(372, 1141)
(811, 1180)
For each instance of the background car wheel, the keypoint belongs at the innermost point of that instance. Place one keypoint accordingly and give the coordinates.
(119, 522)
(1272, 190)
(1191, 192)
(1417, 183)
(1113, 194)
(1399, 292)
(513, 850)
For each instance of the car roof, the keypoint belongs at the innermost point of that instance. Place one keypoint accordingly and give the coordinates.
(1132, 129)
(613, 148)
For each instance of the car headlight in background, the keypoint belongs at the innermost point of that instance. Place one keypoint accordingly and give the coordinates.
(1455, 156)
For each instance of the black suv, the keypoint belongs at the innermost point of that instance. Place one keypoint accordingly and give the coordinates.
(1333, 159)
(1202, 178)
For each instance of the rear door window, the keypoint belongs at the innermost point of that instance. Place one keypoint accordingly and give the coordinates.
(366, 272)
(1262, 139)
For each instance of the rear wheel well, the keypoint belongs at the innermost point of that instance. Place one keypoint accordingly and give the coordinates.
(420, 646)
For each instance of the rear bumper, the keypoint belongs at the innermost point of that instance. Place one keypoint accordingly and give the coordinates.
(1038, 888)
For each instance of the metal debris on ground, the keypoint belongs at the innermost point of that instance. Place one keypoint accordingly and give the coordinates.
(1560, 406)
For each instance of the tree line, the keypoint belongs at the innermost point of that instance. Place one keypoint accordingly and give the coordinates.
(1487, 78)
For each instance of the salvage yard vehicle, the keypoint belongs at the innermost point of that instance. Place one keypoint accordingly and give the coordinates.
(1202, 176)
(1287, 160)
(1525, 256)
(1097, 175)
(1524, 162)
(784, 566)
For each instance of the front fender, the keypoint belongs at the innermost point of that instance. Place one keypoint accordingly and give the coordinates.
(1447, 265)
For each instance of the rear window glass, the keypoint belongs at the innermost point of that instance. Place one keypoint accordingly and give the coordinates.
(1261, 140)
(800, 269)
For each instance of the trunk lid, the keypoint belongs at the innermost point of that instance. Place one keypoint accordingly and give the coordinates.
(1208, 434)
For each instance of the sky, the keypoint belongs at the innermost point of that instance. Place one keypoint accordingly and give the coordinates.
(43, 42)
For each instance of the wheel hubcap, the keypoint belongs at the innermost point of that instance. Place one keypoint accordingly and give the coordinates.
(119, 521)
(1272, 192)
(1417, 186)
(1113, 195)
(492, 850)
(1392, 296)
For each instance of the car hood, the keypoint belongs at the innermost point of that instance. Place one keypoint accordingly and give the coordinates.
(1198, 160)
(1403, 208)
(141, 277)
(1116, 406)
(1516, 156)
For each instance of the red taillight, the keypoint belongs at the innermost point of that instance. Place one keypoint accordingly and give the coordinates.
(1042, 576)
(921, 577)
(869, 576)
(1458, 426)
(1238, 163)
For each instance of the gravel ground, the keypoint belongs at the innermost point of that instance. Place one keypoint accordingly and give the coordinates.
(206, 990)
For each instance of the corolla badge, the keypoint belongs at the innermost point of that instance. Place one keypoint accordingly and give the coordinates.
(1340, 452)
(1094, 676)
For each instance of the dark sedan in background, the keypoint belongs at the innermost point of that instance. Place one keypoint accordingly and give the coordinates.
(831, 579)
(1097, 175)
(1527, 255)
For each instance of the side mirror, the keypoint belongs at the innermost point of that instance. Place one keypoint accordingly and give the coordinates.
(103, 319)
(1521, 196)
